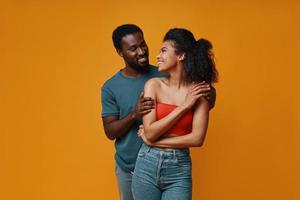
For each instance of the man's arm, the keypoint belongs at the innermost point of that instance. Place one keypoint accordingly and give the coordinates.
(115, 127)
(211, 97)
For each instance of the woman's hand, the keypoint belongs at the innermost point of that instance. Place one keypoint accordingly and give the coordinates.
(195, 91)
(141, 134)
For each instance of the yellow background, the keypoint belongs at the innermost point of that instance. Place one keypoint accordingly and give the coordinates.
(55, 55)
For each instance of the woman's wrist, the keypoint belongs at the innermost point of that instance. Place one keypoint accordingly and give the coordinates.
(184, 107)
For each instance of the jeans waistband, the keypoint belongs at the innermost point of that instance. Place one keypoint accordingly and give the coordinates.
(158, 150)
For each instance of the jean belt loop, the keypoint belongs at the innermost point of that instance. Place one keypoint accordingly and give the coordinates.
(174, 154)
(148, 148)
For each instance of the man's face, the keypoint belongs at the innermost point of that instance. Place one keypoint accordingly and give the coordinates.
(135, 51)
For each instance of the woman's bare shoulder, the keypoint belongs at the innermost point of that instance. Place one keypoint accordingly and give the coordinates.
(154, 82)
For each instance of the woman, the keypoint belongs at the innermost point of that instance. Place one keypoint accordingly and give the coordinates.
(180, 120)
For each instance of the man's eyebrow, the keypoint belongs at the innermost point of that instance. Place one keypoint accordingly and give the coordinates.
(131, 46)
(142, 42)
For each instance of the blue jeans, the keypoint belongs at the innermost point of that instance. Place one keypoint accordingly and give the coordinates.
(124, 183)
(162, 174)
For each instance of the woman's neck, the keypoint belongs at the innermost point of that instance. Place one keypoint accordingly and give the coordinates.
(176, 78)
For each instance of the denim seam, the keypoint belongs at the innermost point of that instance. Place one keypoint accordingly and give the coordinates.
(159, 167)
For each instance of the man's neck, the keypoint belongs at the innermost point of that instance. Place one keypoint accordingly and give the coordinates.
(129, 72)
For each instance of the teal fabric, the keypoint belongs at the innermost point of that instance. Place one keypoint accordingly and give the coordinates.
(119, 97)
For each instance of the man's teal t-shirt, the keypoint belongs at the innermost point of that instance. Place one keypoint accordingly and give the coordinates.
(119, 97)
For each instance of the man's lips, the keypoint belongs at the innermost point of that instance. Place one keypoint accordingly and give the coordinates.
(143, 59)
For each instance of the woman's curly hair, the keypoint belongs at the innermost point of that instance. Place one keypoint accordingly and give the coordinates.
(199, 62)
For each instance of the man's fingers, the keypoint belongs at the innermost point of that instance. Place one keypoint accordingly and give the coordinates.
(144, 108)
(145, 112)
(146, 99)
(147, 103)
(142, 94)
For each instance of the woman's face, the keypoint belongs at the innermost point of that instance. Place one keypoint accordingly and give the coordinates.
(167, 57)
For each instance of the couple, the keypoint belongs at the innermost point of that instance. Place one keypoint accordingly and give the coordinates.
(172, 101)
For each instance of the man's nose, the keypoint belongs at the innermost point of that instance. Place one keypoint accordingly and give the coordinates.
(141, 51)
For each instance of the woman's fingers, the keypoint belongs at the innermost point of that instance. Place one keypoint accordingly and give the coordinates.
(201, 87)
(201, 92)
(141, 130)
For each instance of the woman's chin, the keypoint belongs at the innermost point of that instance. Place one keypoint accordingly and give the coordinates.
(161, 69)
(164, 70)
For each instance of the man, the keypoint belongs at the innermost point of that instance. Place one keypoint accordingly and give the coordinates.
(123, 104)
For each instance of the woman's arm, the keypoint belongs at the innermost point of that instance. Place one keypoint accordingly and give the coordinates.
(193, 139)
(154, 129)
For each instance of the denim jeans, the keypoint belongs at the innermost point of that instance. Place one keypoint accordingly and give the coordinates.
(162, 174)
(124, 183)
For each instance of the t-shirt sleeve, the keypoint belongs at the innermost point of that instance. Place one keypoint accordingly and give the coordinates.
(109, 104)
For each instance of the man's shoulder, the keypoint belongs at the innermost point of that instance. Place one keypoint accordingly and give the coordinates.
(113, 80)
(153, 68)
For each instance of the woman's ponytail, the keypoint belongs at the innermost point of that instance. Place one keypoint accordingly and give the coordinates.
(200, 65)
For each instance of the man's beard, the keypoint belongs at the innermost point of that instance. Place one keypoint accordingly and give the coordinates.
(140, 68)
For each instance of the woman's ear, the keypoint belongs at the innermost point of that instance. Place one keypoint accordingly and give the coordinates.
(182, 57)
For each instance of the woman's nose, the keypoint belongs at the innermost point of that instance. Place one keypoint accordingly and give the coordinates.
(158, 56)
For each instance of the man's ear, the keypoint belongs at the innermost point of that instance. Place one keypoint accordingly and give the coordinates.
(119, 51)
(182, 57)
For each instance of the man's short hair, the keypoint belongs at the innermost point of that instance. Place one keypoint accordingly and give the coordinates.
(122, 31)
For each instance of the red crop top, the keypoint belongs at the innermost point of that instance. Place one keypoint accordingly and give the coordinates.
(184, 124)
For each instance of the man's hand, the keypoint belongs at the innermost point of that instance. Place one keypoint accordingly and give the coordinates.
(143, 106)
(211, 97)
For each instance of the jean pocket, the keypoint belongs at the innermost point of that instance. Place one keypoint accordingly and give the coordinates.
(142, 152)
